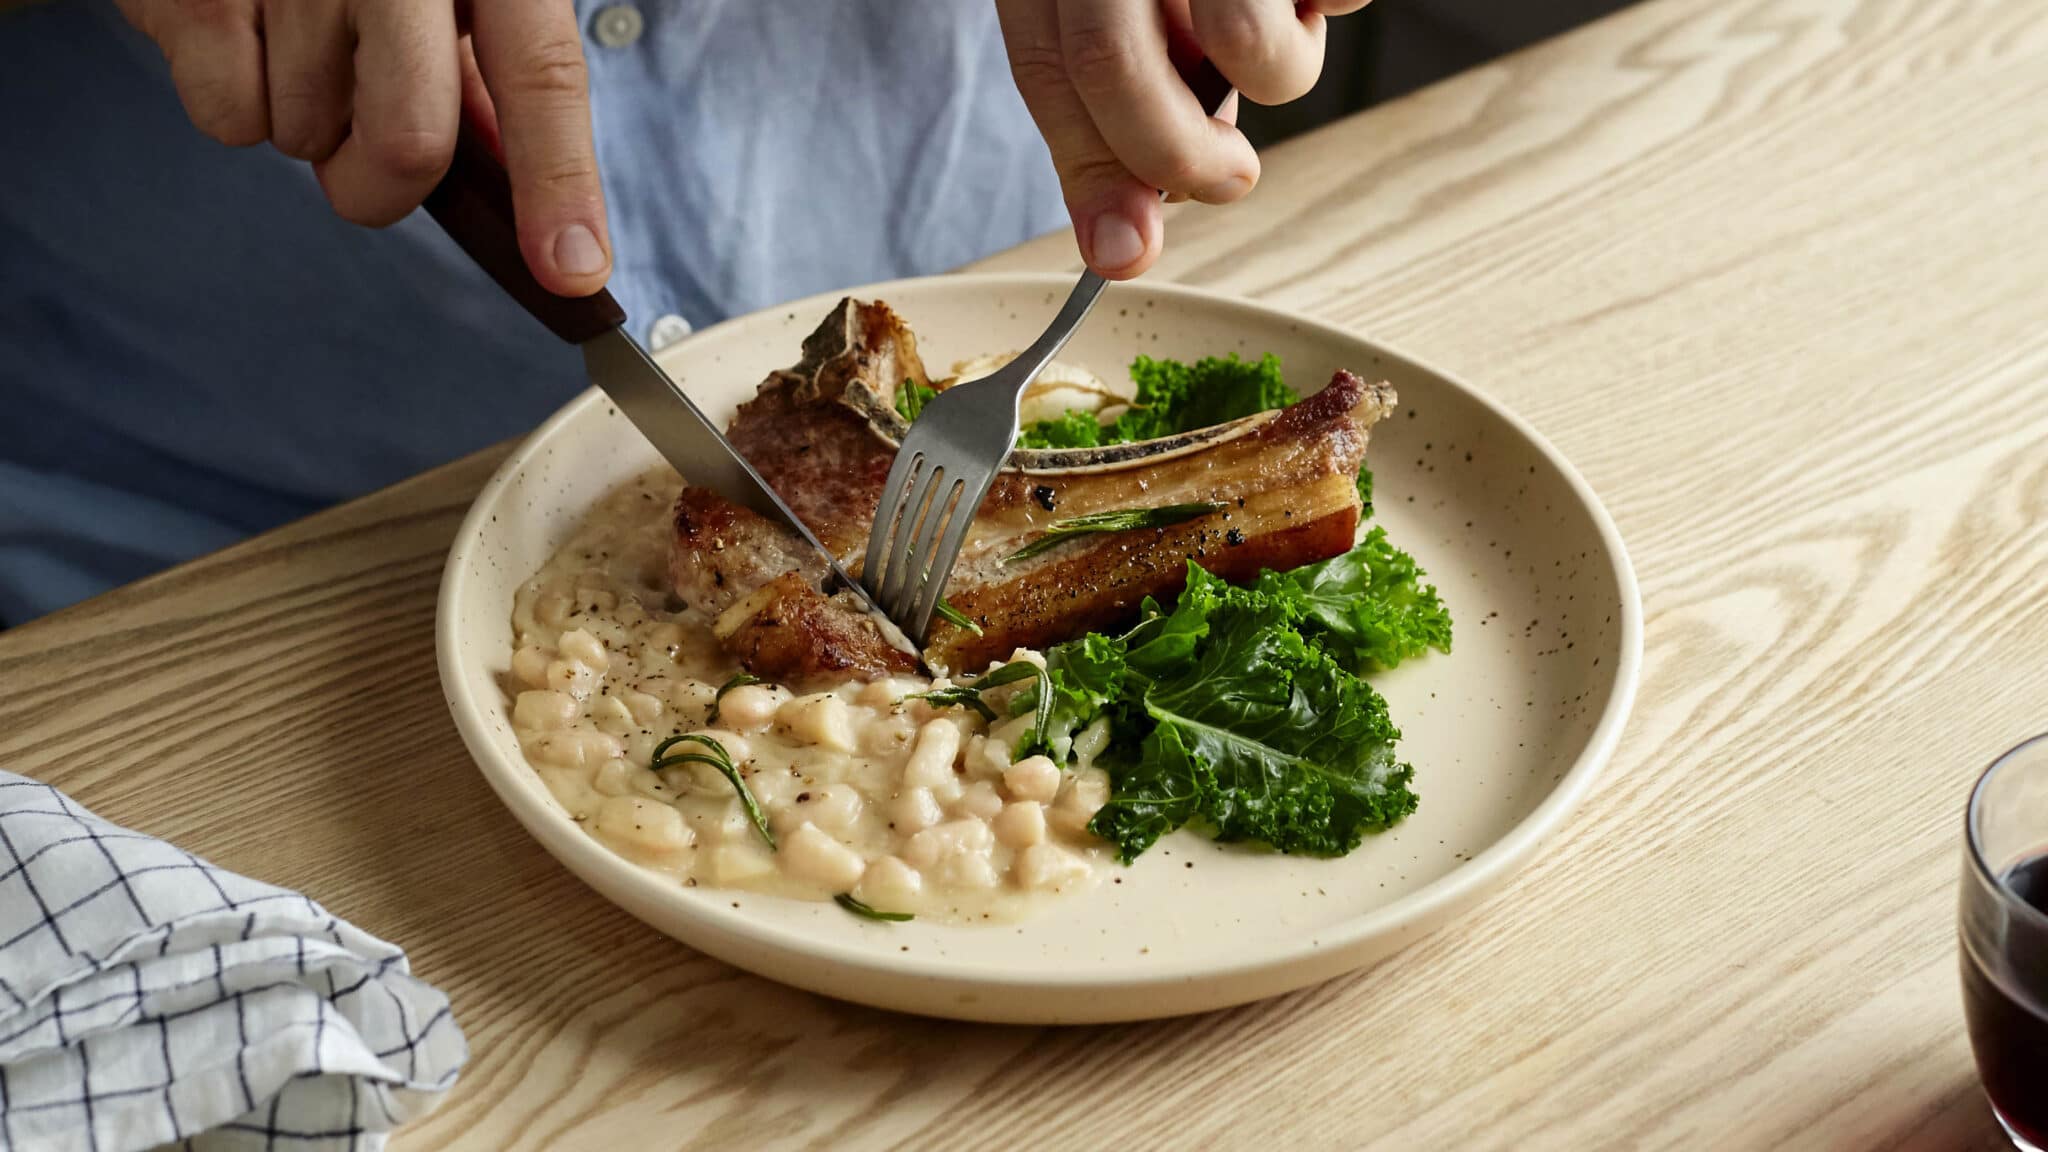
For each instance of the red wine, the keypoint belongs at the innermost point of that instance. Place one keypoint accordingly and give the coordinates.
(2007, 1008)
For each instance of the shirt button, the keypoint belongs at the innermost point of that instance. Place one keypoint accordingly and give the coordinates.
(617, 26)
(666, 330)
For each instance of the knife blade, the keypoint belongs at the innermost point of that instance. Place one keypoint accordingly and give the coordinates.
(687, 438)
(473, 204)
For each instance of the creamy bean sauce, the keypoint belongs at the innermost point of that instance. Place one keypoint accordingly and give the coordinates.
(907, 807)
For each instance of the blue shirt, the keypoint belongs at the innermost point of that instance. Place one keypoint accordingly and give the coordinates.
(194, 348)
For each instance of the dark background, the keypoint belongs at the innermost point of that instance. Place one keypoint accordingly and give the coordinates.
(1396, 46)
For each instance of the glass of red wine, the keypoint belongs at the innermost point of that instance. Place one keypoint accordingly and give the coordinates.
(2004, 932)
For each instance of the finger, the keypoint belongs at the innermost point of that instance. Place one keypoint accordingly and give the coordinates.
(1116, 215)
(216, 56)
(477, 109)
(308, 45)
(1267, 51)
(532, 59)
(1334, 7)
(1117, 57)
(408, 93)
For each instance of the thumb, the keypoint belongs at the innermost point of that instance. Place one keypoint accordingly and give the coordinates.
(1117, 220)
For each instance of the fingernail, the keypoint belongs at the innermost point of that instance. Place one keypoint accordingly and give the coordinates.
(1115, 242)
(577, 253)
(1230, 190)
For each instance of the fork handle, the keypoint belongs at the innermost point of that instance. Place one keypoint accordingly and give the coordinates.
(473, 204)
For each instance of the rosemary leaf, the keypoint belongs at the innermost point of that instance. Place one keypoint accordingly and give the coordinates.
(957, 618)
(968, 695)
(739, 680)
(846, 900)
(960, 696)
(1121, 520)
(717, 757)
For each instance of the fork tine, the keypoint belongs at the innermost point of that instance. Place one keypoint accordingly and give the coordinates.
(919, 560)
(940, 562)
(922, 509)
(889, 514)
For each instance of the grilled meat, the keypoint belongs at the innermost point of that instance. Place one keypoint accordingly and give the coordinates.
(823, 434)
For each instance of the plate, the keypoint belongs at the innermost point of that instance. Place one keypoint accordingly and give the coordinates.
(1507, 732)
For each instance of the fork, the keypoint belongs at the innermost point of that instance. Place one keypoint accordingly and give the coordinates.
(960, 440)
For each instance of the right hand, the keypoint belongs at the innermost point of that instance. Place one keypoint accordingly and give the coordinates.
(371, 92)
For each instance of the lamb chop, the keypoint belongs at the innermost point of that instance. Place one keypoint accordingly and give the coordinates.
(824, 432)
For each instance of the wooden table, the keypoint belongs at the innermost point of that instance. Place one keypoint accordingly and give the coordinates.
(1774, 273)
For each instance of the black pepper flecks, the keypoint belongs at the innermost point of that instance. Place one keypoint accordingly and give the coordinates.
(1234, 537)
(1043, 494)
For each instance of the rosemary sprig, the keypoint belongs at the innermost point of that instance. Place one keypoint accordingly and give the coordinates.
(957, 618)
(718, 758)
(846, 900)
(1121, 520)
(739, 680)
(968, 695)
(957, 696)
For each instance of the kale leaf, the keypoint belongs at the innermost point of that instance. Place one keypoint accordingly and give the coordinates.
(1368, 608)
(1221, 712)
(1172, 397)
(912, 397)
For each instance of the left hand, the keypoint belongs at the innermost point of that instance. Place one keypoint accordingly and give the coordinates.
(1099, 77)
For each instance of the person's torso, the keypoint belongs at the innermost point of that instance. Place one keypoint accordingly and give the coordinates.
(193, 347)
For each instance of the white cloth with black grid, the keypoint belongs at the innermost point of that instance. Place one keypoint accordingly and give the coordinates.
(149, 998)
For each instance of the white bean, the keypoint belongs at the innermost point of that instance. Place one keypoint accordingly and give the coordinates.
(822, 719)
(890, 884)
(884, 693)
(981, 801)
(969, 870)
(645, 708)
(544, 710)
(887, 735)
(530, 665)
(1087, 792)
(1020, 825)
(1033, 778)
(947, 840)
(615, 778)
(572, 748)
(552, 610)
(660, 644)
(1044, 866)
(642, 826)
(579, 645)
(835, 808)
(611, 714)
(722, 822)
(986, 757)
(931, 759)
(571, 677)
(691, 697)
(812, 855)
(915, 810)
(571, 789)
(750, 707)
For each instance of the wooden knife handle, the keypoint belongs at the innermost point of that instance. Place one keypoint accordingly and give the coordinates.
(473, 204)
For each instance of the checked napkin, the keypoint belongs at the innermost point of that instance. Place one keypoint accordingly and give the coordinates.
(149, 998)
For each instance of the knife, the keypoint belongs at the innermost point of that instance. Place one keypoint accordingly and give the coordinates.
(473, 204)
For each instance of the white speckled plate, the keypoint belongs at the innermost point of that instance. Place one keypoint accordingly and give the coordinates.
(1506, 733)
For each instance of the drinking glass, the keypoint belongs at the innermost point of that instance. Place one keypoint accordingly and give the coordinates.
(2004, 939)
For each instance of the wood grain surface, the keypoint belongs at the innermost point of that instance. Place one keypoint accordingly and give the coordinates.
(1773, 273)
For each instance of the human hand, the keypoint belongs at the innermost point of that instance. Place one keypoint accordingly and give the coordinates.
(1099, 77)
(371, 93)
